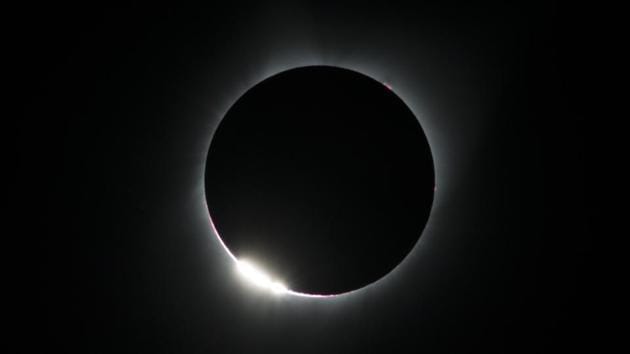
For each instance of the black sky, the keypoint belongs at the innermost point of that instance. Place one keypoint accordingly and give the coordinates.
(117, 109)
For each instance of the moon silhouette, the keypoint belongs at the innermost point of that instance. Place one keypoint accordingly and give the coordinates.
(321, 176)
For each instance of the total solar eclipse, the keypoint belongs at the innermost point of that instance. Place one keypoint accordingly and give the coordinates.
(320, 176)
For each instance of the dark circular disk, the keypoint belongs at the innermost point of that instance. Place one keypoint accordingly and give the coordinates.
(322, 176)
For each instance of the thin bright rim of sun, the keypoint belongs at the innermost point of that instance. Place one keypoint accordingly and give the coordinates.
(248, 270)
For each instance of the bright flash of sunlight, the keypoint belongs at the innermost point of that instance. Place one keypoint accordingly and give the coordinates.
(258, 277)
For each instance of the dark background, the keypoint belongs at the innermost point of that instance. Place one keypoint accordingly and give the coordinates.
(117, 107)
